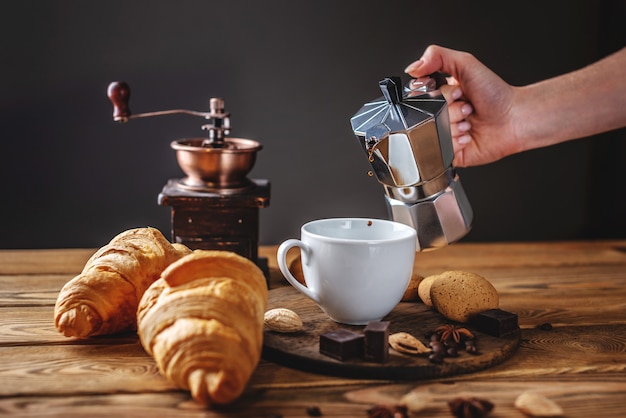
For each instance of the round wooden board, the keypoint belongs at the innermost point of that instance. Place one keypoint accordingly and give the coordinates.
(301, 350)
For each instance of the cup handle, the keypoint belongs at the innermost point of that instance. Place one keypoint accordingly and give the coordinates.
(282, 264)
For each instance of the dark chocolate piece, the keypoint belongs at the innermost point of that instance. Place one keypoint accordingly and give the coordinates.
(342, 344)
(496, 322)
(376, 341)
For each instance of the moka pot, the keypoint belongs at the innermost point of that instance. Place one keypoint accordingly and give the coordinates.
(406, 137)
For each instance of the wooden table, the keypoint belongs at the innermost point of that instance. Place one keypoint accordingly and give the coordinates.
(577, 287)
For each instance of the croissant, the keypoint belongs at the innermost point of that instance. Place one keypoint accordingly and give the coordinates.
(202, 321)
(103, 298)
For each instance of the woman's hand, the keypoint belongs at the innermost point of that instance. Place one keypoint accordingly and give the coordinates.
(480, 105)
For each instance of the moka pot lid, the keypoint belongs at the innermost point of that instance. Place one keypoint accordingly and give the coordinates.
(396, 110)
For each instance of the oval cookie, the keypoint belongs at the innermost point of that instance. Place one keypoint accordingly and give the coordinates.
(411, 294)
(423, 289)
(295, 267)
(458, 295)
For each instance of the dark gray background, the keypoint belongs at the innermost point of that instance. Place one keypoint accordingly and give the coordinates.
(292, 74)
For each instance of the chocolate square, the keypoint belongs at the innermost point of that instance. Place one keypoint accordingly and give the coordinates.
(342, 344)
(496, 322)
(376, 341)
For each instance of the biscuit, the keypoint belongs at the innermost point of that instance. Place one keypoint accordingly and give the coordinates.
(411, 294)
(295, 267)
(423, 289)
(459, 295)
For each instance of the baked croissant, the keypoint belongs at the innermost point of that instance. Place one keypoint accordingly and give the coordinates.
(202, 321)
(103, 298)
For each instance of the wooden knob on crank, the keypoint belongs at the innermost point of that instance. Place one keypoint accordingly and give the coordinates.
(119, 94)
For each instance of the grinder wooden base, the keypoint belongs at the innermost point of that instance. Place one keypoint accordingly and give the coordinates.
(301, 350)
(217, 219)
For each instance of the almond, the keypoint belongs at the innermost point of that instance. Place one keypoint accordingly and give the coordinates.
(403, 342)
(416, 401)
(537, 405)
(282, 320)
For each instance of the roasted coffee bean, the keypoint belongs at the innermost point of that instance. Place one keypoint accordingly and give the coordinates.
(452, 352)
(436, 358)
(314, 411)
(436, 345)
(470, 347)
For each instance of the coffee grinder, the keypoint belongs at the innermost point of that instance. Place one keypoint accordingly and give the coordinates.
(216, 206)
(406, 137)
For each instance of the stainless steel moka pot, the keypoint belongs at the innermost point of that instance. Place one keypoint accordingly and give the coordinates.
(406, 137)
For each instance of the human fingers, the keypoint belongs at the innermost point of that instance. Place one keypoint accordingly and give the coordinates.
(458, 107)
(459, 124)
(461, 145)
(428, 63)
(462, 140)
(452, 81)
(461, 128)
(459, 110)
(451, 93)
(437, 58)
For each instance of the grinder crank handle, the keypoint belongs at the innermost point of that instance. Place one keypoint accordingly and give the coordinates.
(119, 94)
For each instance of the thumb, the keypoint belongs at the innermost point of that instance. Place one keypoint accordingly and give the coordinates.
(435, 58)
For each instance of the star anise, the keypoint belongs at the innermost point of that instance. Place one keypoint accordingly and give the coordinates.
(453, 335)
(383, 411)
(470, 408)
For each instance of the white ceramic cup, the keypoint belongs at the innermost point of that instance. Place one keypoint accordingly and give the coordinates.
(355, 269)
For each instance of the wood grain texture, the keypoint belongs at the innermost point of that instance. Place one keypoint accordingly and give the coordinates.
(46, 261)
(81, 367)
(579, 288)
(578, 399)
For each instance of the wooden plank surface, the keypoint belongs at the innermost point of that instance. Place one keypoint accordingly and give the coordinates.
(578, 399)
(68, 261)
(579, 288)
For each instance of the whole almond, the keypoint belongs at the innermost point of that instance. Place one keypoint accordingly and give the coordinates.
(537, 405)
(282, 320)
(416, 401)
(403, 342)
